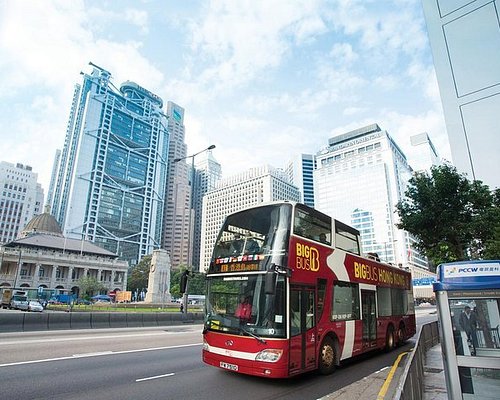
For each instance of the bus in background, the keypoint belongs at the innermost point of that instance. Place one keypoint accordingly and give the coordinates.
(289, 292)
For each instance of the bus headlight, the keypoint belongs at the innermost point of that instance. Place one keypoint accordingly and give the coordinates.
(269, 355)
(205, 345)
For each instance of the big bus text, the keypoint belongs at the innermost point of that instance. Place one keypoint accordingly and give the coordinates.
(288, 292)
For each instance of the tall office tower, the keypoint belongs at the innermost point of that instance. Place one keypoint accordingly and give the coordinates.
(175, 236)
(300, 173)
(53, 176)
(21, 199)
(360, 177)
(254, 186)
(424, 155)
(207, 174)
(465, 42)
(110, 184)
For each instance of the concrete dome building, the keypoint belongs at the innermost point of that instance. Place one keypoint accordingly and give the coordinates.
(45, 224)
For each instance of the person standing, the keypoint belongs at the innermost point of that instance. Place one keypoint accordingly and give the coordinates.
(468, 323)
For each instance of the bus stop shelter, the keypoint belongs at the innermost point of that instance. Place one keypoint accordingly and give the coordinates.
(468, 301)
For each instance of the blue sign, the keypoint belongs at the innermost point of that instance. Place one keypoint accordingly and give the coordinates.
(177, 115)
(468, 275)
(427, 281)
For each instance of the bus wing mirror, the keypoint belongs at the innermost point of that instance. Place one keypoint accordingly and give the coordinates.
(270, 284)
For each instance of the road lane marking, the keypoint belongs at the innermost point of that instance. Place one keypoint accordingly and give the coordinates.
(97, 353)
(154, 377)
(385, 386)
(77, 356)
(76, 338)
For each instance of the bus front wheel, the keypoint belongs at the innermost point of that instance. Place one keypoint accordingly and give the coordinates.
(327, 356)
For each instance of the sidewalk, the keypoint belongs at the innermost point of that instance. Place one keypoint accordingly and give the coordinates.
(368, 388)
(434, 380)
(364, 389)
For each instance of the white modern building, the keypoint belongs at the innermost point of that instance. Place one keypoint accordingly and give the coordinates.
(359, 179)
(175, 236)
(254, 186)
(110, 183)
(465, 42)
(424, 154)
(21, 198)
(208, 173)
(300, 173)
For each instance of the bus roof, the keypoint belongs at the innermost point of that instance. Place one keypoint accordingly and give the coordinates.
(468, 275)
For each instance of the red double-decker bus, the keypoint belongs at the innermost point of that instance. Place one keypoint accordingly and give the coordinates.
(288, 291)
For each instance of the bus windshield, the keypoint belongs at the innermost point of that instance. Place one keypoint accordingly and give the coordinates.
(239, 305)
(262, 232)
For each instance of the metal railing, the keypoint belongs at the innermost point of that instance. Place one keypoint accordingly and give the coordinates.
(411, 383)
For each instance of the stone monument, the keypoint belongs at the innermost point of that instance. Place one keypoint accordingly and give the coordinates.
(159, 278)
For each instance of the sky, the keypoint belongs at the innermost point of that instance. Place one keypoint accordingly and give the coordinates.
(262, 80)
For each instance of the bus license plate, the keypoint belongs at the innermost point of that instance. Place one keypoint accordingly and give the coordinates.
(232, 367)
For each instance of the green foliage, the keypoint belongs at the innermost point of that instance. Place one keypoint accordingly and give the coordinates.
(196, 283)
(492, 247)
(139, 275)
(451, 217)
(89, 286)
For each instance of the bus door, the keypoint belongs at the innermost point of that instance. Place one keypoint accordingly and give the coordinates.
(369, 315)
(302, 328)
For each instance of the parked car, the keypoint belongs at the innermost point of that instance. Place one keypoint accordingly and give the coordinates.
(34, 305)
(19, 302)
(102, 297)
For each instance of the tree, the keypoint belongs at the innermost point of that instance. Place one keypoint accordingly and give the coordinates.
(139, 275)
(451, 217)
(196, 283)
(492, 248)
(89, 286)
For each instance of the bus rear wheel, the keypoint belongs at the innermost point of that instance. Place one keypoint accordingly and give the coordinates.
(401, 335)
(327, 357)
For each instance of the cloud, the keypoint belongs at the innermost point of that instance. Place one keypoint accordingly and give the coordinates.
(349, 111)
(253, 76)
(343, 54)
(240, 39)
(99, 16)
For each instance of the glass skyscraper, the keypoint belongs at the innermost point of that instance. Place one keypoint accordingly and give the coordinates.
(110, 182)
(360, 177)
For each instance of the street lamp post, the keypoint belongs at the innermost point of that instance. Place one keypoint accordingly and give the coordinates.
(191, 206)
